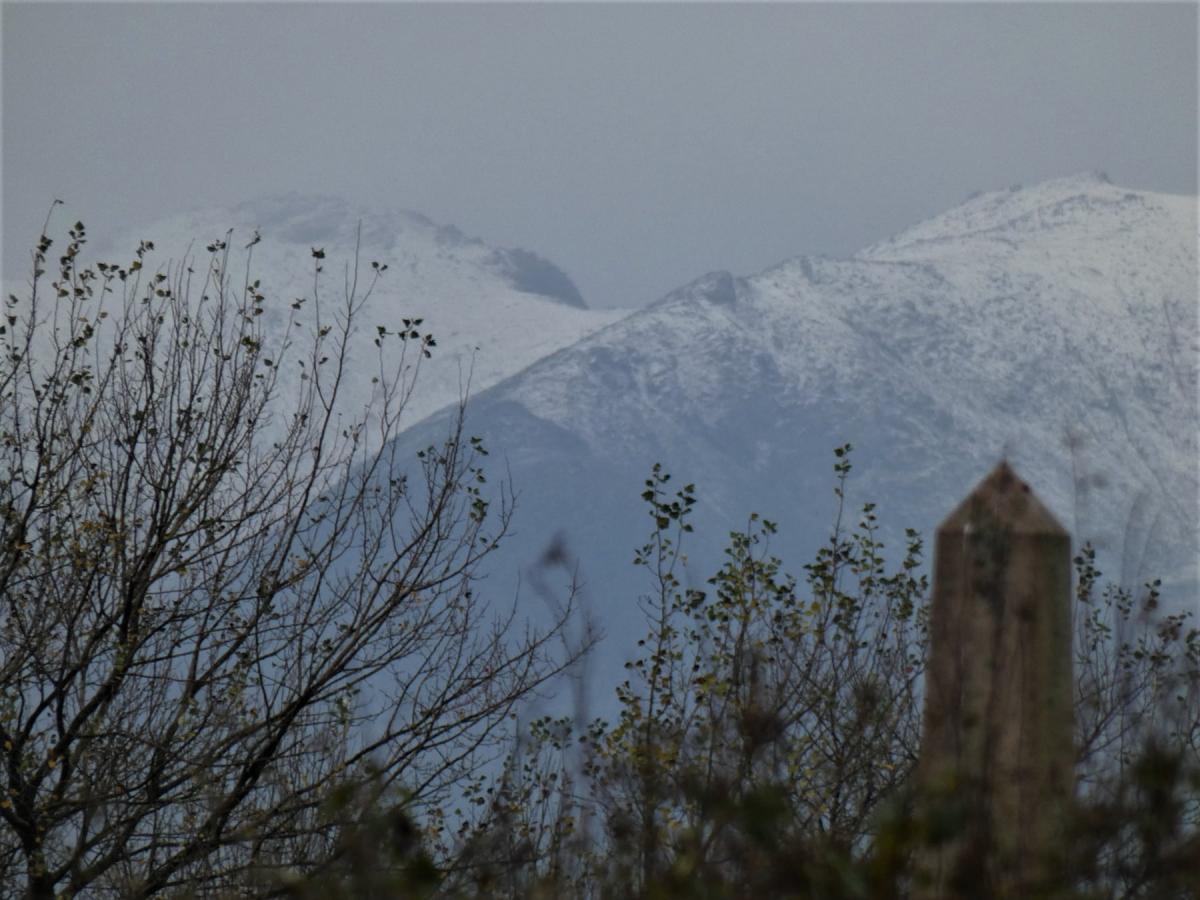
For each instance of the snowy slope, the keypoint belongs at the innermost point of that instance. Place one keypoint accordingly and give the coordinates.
(492, 311)
(1056, 325)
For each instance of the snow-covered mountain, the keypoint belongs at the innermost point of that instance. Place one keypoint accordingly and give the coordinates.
(1055, 325)
(492, 311)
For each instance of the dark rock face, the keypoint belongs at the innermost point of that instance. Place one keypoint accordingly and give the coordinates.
(532, 274)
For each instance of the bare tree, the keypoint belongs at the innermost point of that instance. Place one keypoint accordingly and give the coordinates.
(230, 620)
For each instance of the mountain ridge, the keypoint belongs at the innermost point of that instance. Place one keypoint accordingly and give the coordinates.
(1048, 344)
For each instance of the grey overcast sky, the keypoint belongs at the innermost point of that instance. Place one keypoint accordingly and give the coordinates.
(638, 146)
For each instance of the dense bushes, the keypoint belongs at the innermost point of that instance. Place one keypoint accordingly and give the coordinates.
(768, 729)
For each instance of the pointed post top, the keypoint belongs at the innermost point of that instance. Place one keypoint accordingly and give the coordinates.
(999, 695)
(1002, 499)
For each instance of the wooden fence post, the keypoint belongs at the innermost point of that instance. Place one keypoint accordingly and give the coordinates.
(996, 768)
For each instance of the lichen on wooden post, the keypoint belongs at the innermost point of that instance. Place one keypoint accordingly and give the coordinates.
(996, 769)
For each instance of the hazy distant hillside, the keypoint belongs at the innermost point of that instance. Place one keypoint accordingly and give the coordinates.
(493, 311)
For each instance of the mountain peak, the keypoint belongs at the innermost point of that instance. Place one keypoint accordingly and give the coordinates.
(997, 221)
(321, 220)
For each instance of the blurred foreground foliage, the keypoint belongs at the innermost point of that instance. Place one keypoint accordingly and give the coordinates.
(233, 617)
